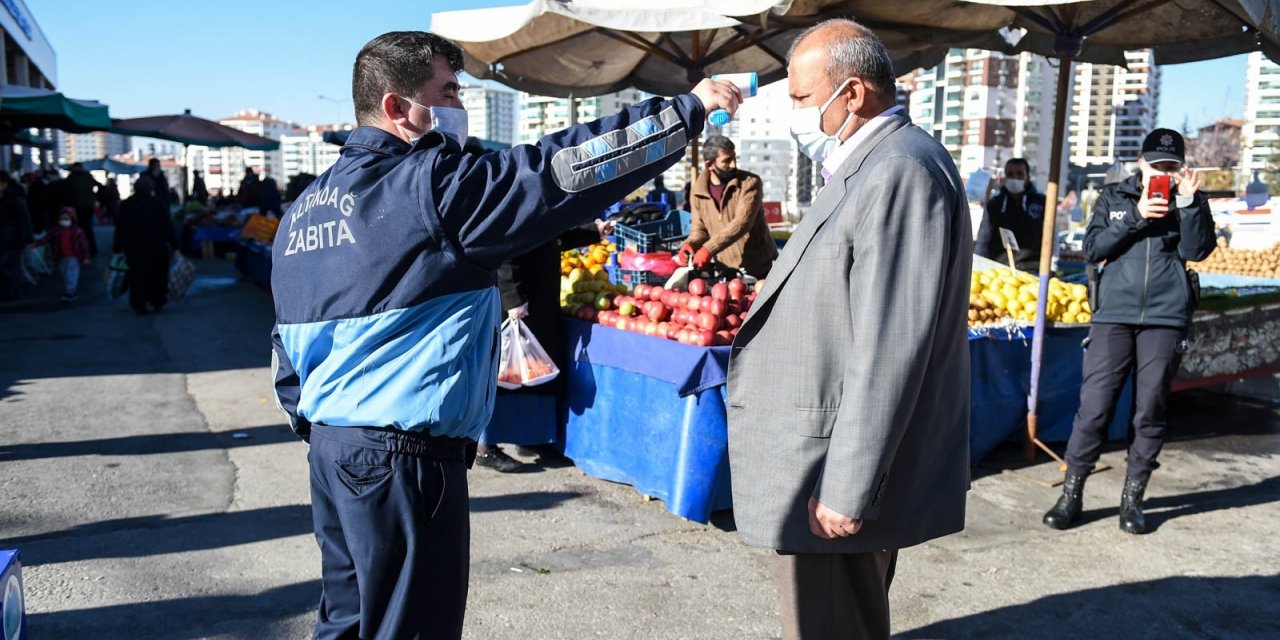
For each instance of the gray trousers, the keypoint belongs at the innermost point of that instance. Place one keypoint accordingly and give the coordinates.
(836, 596)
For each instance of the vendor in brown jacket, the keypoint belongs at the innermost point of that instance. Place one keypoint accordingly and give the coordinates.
(727, 218)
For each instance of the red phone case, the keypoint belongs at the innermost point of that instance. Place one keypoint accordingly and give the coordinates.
(1160, 187)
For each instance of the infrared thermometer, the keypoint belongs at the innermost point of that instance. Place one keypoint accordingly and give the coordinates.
(746, 83)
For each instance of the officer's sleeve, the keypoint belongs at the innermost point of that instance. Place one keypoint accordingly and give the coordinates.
(500, 204)
(1195, 224)
(288, 386)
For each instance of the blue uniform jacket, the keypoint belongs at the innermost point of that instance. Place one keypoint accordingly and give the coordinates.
(383, 269)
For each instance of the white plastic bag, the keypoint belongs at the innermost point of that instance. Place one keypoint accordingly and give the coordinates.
(536, 367)
(509, 371)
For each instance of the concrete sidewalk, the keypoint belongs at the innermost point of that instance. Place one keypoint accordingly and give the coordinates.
(153, 491)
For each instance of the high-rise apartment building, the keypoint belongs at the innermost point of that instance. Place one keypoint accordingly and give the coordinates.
(1261, 132)
(83, 147)
(987, 107)
(224, 167)
(304, 150)
(1112, 109)
(491, 111)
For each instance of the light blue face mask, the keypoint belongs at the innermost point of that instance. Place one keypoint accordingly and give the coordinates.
(806, 128)
(449, 121)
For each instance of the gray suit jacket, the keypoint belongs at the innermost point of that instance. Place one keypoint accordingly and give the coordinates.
(849, 382)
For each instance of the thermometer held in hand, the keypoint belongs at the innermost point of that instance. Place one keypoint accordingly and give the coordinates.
(746, 83)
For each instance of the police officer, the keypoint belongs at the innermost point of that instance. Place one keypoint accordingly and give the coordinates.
(385, 346)
(1145, 299)
(1018, 208)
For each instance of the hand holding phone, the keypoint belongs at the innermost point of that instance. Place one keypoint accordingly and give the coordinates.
(1159, 186)
(1155, 198)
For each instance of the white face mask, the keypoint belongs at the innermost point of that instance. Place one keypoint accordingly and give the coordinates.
(1015, 186)
(64, 223)
(450, 121)
(806, 129)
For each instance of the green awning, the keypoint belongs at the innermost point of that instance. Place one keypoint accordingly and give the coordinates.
(24, 107)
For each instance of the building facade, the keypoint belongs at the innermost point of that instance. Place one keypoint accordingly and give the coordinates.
(304, 150)
(1112, 109)
(224, 168)
(27, 59)
(1261, 132)
(83, 147)
(491, 111)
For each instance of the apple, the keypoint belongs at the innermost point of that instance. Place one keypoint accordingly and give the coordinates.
(669, 297)
(626, 308)
(732, 321)
(718, 308)
(620, 323)
(698, 287)
(704, 338)
(658, 312)
(651, 329)
(708, 322)
(641, 291)
(737, 288)
(682, 336)
(704, 304)
(720, 291)
(724, 338)
(733, 332)
(655, 294)
(673, 330)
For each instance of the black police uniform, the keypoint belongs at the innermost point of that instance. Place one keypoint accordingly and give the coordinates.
(1140, 324)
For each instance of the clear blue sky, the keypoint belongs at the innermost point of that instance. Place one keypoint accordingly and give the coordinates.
(150, 57)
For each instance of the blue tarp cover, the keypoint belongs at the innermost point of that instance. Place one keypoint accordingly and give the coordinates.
(691, 369)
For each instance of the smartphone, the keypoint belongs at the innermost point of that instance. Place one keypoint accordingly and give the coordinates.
(1160, 187)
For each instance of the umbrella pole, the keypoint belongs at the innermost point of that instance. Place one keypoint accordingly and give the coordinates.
(1049, 234)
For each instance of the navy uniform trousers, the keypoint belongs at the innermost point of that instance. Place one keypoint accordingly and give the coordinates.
(1113, 352)
(392, 520)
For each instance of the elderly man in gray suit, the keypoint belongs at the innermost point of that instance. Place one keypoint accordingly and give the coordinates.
(849, 383)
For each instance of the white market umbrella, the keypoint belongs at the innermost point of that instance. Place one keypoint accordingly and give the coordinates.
(580, 48)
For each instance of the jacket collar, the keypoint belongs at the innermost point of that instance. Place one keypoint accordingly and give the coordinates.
(1131, 185)
(702, 186)
(376, 140)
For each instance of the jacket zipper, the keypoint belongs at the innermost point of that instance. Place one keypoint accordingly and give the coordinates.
(1146, 284)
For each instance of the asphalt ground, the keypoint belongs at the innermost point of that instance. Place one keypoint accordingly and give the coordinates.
(154, 492)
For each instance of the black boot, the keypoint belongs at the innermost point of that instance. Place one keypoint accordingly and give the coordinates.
(498, 460)
(1067, 511)
(1131, 518)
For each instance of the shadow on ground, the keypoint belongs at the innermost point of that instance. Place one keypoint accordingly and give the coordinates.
(150, 444)
(159, 535)
(1181, 607)
(177, 619)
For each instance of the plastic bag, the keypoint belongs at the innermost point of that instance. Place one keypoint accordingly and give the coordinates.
(510, 375)
(117, 277)
(181, 274)
(536, 367)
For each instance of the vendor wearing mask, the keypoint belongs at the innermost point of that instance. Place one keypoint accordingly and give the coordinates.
(1018, 208)
(727, 220)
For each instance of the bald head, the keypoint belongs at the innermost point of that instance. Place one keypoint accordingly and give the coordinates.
(844, 49)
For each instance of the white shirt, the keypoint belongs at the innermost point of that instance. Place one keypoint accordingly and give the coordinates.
(860, 136)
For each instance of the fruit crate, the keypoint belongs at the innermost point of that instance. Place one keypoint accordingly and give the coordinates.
(651, 237)
(632, 278)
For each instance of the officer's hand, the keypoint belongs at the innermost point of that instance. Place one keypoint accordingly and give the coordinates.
(1149, 208)
(1190, 181)
(718, 94)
